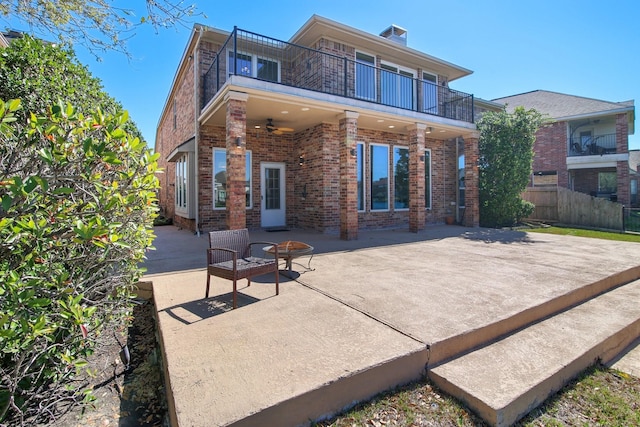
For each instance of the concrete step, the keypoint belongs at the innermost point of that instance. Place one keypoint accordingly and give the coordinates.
(505, 380)
(456, 345)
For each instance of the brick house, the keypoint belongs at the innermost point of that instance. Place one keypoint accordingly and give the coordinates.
(335, 130)
(585, 147)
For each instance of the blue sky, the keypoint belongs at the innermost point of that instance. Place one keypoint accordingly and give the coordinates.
(579, 47)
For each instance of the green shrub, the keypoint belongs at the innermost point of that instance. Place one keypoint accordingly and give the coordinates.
(77, 203)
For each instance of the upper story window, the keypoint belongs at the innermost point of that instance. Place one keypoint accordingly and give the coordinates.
(396, 86)
(365, 76)
(429, 93)
(254, 66)
(220, 178)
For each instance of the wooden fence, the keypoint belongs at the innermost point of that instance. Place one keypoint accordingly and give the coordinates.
(559, 204)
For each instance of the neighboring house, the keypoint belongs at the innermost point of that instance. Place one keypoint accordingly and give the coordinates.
(585, 147)
(634, 173)
(336, 130)
(3, 41)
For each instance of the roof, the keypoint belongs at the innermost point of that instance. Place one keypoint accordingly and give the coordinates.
(562, 106)
(320, 27)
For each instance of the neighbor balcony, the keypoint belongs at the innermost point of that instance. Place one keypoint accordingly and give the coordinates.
(596, 145)
(255, 56)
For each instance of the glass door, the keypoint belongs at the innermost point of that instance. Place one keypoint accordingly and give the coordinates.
(273, 206)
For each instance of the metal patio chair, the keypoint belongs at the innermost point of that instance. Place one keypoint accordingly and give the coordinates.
(229, 256)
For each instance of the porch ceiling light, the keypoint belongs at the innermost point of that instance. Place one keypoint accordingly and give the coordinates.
(429, 129)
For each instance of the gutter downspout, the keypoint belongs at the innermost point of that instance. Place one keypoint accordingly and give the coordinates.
(196, 105)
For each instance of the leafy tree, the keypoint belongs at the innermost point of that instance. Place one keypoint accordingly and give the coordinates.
(99, 25)
(506, 158)
(77, 201)
(40, 74)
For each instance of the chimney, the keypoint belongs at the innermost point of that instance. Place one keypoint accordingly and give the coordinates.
(395, 34)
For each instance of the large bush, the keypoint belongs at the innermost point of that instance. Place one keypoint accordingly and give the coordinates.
(77, 201)
(40, 74)
(506, 158)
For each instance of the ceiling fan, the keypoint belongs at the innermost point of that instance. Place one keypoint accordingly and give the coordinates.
(271, 128)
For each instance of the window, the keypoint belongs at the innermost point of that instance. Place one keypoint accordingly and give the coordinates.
(220, 178)
(607, 182)
(182, 191)
(400, 178)
(175, 115)
(379, 178)
(427, 179)
(365, 76)
(360, 174)
(253, 66)
(429, 93)
(396, 86)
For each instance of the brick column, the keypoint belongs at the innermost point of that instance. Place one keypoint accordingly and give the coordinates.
(417, 213)
(236, 128)
(622, 168)
(471, 182)
(348, 133)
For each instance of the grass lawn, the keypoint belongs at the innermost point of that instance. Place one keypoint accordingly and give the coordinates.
(621, 237)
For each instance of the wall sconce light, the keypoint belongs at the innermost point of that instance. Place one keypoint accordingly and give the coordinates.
(352, 152)
(422, 158)
(429, 129)
(301, 160)
(238, 142)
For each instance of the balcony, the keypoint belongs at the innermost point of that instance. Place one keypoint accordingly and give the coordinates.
(596, 145)
(252, 55)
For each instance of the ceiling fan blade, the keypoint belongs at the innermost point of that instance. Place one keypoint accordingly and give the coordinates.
(277, 132)
(286, 129)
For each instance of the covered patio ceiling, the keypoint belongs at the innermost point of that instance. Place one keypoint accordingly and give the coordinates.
(298, 110)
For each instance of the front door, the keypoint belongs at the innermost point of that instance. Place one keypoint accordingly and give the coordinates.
(272, 185)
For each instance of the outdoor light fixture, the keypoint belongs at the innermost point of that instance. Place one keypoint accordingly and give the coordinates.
(422, 158)
(429, 129)
(352, 152)
(301, 160)
(238, 142)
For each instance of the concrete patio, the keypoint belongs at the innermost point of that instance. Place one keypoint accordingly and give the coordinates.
(371, 314)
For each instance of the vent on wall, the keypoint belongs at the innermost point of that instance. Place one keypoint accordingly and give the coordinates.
(396, 34)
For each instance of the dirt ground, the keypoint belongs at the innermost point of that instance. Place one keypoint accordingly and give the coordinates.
(126, 396)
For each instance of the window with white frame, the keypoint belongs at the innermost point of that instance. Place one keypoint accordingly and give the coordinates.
(220, 178)
(461, 181)
(365, 76)
(254, 66)
(429, 93)
(360, 175)
(400, 178)
(427, 178)
(182, 183)
(396, 86)
(379, 177)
